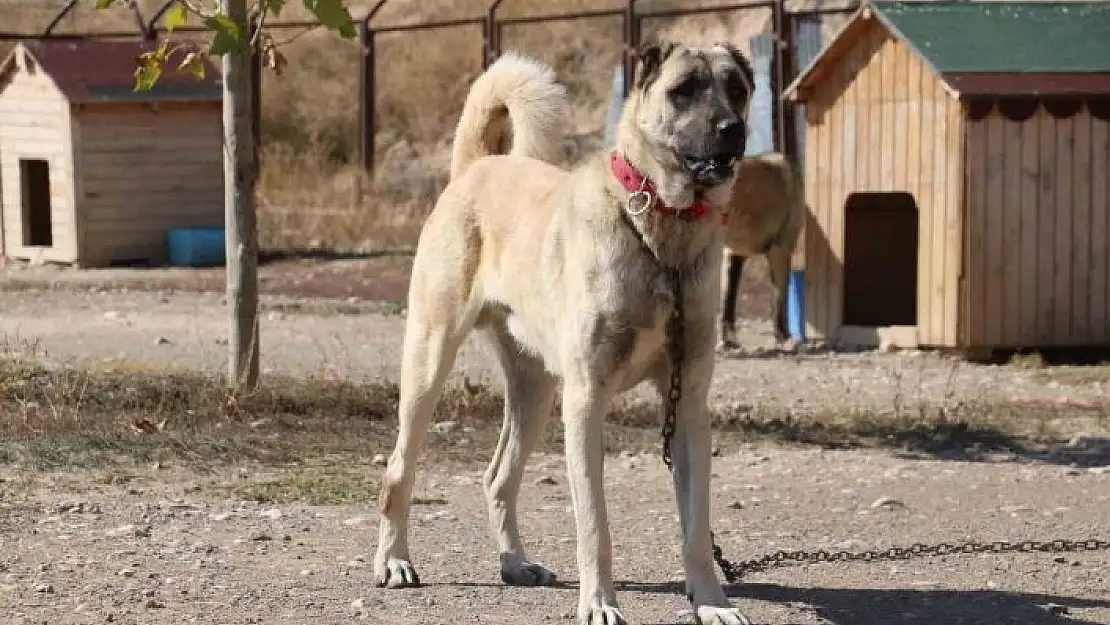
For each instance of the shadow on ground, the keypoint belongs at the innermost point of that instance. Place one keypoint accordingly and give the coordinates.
(866, 606)
(952, 439)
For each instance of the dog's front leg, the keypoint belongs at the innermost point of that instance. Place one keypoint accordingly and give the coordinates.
(691, 450)
(584, 404)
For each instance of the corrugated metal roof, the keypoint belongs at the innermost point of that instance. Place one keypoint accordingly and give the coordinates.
(104, 71)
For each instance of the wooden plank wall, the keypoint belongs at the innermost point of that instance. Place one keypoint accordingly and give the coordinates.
(35, 123)
(1039, 230)
(884, 123)
(144, 171)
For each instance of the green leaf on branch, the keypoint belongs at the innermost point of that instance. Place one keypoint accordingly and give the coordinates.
(104, 4)
(177, 16)
(150, 68)
(227, 37)
(334, 15)
(193, 64)
(275, 6)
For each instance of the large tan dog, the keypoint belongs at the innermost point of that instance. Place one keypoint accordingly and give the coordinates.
(567, 273)
(768, 210)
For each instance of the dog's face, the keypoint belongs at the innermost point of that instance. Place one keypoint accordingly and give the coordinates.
(694, 102)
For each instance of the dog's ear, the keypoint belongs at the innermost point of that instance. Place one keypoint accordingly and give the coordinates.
(740, 60)
(651, 57)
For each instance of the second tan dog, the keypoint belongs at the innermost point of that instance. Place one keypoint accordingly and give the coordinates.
(568, 275)
(768, 210)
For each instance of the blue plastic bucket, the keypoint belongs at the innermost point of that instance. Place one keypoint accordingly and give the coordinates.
(795, 304)
(196, 247)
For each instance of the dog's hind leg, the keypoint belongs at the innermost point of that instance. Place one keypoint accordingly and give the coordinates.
(529, 397)
(728, 308)
(778, 261)
(433, 334)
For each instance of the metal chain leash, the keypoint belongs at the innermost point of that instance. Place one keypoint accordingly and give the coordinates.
(675, 347)
(733, 571)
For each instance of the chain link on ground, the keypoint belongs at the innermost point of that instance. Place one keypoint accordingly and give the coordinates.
(734, 571)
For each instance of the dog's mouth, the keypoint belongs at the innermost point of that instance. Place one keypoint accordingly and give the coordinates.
(712, 170)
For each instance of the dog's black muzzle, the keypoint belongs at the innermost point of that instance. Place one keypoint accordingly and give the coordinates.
(730, 143)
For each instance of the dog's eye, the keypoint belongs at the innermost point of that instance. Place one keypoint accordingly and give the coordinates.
(735, 87)
(686, 88)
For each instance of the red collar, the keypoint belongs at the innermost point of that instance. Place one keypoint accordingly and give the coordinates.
(635, 182)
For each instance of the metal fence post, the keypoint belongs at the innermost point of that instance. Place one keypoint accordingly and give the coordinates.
(367, 89)
(788, 71)
(778, 131)
(366, 96)
(631, 44)
(491, 32)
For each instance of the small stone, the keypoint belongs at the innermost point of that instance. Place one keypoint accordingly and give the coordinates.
(445, 427)
(123, 530)
(1077, 442)
(126, 573)
(273, 514)
(1055, 609)
(261, 537)
(736, 505)
(379, 460)
(45, 588)
(358, 520)
(155, 604)
(112, 315)
(358, 605)
(545, 480)
(888, 502)
(162, 341)
(222, 516)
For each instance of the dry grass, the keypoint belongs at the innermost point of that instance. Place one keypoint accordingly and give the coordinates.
(312, 193)
(122, 415)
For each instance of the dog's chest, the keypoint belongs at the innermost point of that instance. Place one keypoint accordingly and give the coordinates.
(629, 333)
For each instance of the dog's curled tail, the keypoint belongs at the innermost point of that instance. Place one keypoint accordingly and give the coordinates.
(518, 95)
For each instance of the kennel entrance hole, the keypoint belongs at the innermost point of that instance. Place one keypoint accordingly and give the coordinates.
(34, 175)
(880, 260)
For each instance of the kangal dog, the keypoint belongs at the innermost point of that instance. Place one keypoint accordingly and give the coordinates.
(768, 210)
(567, 273)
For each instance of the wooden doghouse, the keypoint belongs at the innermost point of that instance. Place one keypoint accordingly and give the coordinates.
(93, 172)
(957, 166)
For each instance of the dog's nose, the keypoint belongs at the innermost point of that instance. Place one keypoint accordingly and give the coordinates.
(730, 134)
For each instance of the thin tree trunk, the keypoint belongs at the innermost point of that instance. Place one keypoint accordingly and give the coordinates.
(239, 211)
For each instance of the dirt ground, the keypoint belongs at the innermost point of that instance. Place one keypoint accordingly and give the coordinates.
(154, 547)
(262, 544)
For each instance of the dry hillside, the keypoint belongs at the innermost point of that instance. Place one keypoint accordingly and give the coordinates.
(312, 192)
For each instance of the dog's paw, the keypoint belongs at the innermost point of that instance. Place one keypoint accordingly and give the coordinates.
(526, 574)
(602, 615)
(712, 615)
(396, 573)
